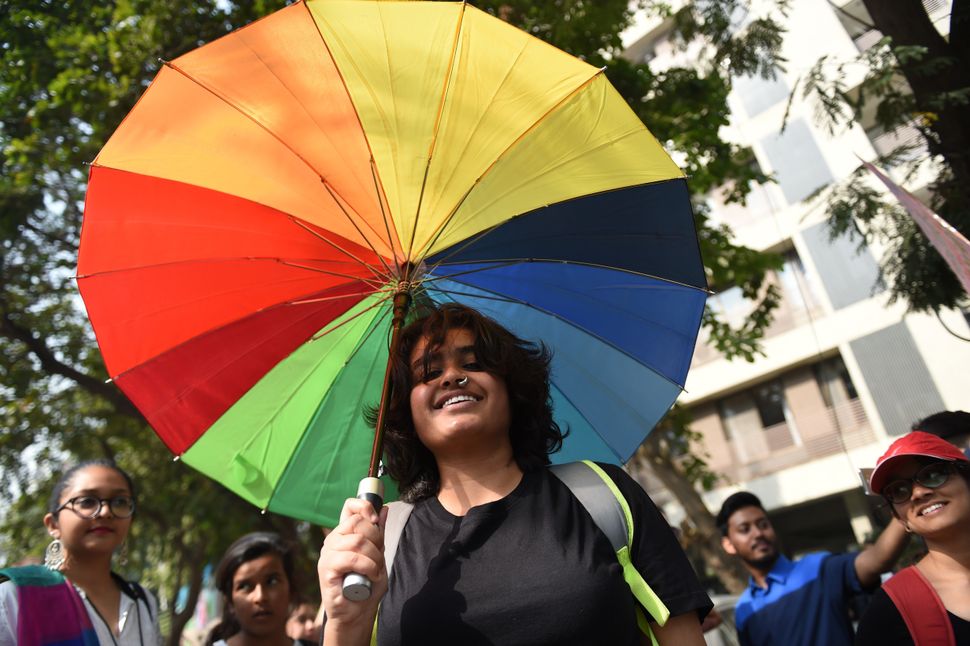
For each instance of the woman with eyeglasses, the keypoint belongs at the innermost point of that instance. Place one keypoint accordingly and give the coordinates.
(75, 598)
(926, 481)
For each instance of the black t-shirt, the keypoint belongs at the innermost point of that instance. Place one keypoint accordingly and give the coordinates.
(882, 625)
(531, 568)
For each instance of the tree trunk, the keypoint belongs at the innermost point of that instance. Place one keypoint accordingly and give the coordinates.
(195, 563)
(907, 23)
(706, 535)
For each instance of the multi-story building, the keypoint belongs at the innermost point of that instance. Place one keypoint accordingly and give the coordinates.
(844, 371)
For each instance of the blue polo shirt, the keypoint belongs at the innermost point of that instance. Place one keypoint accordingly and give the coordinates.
(805, 603)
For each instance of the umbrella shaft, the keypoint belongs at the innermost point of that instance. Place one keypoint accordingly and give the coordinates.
(402, 300)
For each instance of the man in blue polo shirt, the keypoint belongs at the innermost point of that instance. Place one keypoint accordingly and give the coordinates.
(803, 602)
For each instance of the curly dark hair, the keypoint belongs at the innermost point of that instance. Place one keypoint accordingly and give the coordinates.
(523, 365)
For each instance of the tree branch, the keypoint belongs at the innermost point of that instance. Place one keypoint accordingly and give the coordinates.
(51, 364)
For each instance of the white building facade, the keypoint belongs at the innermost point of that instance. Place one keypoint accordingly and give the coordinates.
(844, 372)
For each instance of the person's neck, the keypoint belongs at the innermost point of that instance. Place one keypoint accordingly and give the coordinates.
(467, 482)
(91, 574)
(947, 559)
(759, 573)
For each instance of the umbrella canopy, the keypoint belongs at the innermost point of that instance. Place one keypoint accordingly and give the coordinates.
(248, 224)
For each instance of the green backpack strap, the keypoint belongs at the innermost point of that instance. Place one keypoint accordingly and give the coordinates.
(604, 502)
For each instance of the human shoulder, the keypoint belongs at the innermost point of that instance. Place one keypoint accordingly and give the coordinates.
(823, 562)
(882, 624)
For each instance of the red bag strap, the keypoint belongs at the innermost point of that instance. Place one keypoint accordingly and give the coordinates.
(921, 608)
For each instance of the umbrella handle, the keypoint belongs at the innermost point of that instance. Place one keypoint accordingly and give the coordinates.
(357, 587)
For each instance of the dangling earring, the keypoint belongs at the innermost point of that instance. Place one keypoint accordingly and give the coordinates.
(54, 555)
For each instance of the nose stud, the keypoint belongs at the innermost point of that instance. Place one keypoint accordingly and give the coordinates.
(461, 382)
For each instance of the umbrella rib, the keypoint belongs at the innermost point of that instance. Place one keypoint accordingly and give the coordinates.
(191, 261)
(378, 303)
(333, 193)
(378, 187)
(375, 284)
(499, 263)
(222, 327)
(633, 314)
(292, 218)
(384, 215)
(437, 124)
(382, 277)
(324, 299)
(339, 203)
(186, 389)
(464, 149)
(565, 321)
(448, 220)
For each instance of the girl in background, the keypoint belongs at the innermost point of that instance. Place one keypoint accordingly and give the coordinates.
(256, 579)
(75, 598)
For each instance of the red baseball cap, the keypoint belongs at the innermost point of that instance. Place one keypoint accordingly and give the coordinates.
(915, 443)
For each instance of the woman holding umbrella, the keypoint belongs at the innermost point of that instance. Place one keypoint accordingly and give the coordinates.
(496, 549)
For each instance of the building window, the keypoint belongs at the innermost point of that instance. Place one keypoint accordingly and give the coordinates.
(770, 400)
(758, 421)
(834, 382)
(757, 94)
(797, 161)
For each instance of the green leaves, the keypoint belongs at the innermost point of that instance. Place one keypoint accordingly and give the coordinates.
(914, 82)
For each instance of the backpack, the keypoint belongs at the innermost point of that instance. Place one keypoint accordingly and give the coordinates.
(921, 608)
(611, 514)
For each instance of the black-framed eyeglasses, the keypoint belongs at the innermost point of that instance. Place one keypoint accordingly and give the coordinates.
(91, 506)
(933, 476)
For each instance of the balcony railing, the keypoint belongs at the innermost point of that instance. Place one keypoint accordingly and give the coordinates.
(761, 452)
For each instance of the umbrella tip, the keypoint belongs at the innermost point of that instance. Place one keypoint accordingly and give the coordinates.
(176, 458)
(108, 380)
(262, 512)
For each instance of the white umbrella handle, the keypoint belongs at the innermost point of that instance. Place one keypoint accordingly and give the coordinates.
(357, 587)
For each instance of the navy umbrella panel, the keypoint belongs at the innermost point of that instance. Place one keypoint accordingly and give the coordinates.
(613, 282)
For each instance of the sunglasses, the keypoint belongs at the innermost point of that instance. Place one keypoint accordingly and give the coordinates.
(931, 476)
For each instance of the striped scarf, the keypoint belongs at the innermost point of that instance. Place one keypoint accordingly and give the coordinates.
(49, 609)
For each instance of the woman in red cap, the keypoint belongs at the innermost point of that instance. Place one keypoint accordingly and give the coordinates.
(927, 483)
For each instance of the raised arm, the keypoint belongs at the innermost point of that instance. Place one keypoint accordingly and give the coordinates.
(880, 557)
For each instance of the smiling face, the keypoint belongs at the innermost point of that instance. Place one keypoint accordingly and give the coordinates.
(751, 537)
(932, 513)
(87, 537)
(455, 402)
(261, 597)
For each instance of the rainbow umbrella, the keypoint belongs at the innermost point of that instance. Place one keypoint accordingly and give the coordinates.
(252, 221)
